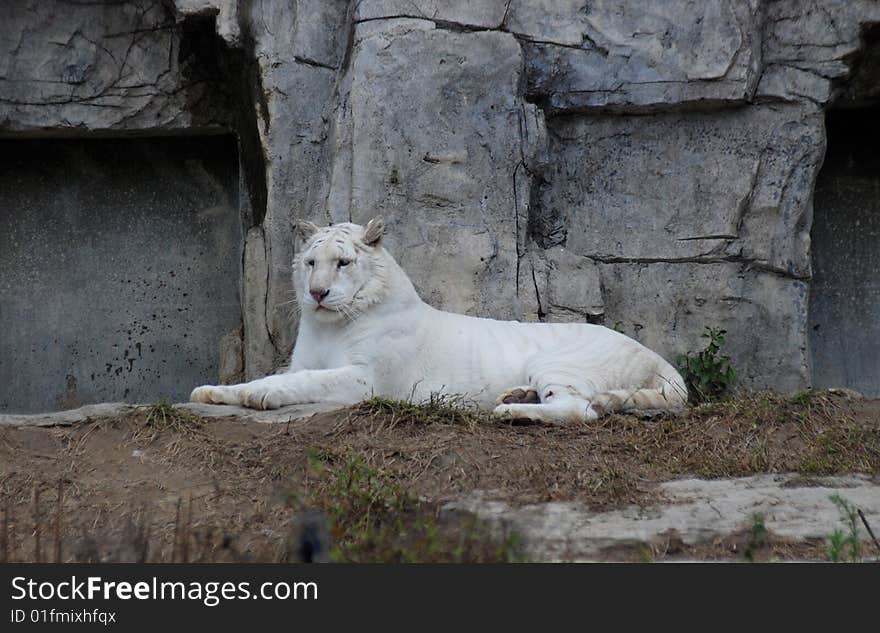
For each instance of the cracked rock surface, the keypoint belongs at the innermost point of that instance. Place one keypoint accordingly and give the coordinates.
(696, 511)
(562, 161)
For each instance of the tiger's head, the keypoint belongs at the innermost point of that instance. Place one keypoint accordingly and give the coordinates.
(341, 269)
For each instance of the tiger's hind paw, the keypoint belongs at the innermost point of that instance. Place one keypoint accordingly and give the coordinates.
(519, 395)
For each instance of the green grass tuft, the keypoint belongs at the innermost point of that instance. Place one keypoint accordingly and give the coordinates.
(438, 409)
(162, 416)
(757, 537)
(845, 543)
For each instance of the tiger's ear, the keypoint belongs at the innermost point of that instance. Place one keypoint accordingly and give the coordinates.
(306, 229)
(374, 231)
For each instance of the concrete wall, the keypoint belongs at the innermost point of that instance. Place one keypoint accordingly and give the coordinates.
(120, 266)
(845, 297)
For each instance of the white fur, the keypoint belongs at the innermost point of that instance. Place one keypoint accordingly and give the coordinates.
(372, 335)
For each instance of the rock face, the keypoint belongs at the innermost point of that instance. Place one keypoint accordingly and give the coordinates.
(646, 167)
(71, 66)
(441, 158)
(584, 55)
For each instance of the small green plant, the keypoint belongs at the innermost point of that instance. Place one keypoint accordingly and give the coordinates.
(316, 457)
(757, 537)
(646, 554)
(708, 373)
(835, 545)
(804, 398)
(372, 519)
(843, 542)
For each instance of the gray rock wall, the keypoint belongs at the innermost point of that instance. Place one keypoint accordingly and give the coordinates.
(86, 67)
(645, 165)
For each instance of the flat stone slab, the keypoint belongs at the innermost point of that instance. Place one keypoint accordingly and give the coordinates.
(69, 417)
(697, 510)
(105, 409)
(273, 416)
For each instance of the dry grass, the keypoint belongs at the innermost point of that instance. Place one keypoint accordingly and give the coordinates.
(248, 503)
(438, 409)
(617, 459)
(161, 485)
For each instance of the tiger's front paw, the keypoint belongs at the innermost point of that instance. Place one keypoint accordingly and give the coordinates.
(214, 394)
(262, 398)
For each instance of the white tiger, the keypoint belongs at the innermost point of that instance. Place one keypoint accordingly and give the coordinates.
(364, 331)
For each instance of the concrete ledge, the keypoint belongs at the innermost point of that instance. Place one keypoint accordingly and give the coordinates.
(274, 416)
(68, 418)
(104, 409)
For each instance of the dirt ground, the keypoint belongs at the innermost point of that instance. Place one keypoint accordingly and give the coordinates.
(159, 485)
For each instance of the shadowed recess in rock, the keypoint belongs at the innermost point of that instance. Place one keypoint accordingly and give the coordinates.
(845, 297)
(120, 263)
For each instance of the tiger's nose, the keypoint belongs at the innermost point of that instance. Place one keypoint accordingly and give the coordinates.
(319, 295)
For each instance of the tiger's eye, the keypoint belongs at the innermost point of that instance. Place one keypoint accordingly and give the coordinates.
(344, 262)
(310, 262)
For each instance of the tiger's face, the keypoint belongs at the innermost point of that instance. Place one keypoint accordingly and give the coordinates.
(338, 270)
